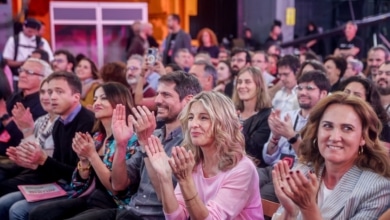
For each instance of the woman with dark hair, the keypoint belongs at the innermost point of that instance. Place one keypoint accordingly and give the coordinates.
(114, 72)
(335, 69)
(343, 170)
(87, 71)
(224, 75)
(364, 89)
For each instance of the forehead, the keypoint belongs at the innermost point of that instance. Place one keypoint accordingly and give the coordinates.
(133, 62)
(240, 55)
(385, 67)
(99, 91)
(197, 69)
(246, 75)
(59, 83)
(284, 69)
(311, 83)
(197, 107)
(378, 54)
(32, 65)
(259, 56)
(355, 86)
(341, 114)
(84, 63)
(168, 87)
(61, 55)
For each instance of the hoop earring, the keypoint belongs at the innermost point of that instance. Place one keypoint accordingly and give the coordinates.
(361, 150)
(315, 141)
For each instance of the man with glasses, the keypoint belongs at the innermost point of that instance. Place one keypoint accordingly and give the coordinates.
(63, 61)
(284, 139)
(260, 60)
(240, 59)
(285, 99)
(31, 73)
(133, 74)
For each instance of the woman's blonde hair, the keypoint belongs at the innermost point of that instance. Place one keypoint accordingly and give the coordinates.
(263, 100)
(225, 128)
(374, 156)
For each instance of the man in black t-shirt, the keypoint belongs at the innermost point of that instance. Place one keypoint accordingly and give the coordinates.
(350, 44)
(177, 39)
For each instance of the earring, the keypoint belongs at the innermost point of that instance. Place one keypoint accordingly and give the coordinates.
(315, 141)
(361, 150)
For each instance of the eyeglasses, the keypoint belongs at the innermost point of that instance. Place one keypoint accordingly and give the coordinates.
(29, 72)
(237, 60)
(132, 68)
(308, 88)
(58, 61)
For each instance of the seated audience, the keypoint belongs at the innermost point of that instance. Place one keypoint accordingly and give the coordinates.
(284, 139)
(175, 90)
(344, 169)
(210, 173)
(114, 72)
(310, 65)
(260, 60)
(254, 105)
(354, 68)
(96, 160)
(184, 59)
(205, 73)
(63, 61)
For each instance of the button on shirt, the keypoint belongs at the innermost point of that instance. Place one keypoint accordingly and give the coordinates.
(144, 202)
(285, 101)
(283, 145)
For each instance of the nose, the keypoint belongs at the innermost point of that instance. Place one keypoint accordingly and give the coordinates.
(335, 135)
(158, 99)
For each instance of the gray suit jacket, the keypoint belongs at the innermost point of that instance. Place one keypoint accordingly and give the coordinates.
(360, 194)
(182, 40)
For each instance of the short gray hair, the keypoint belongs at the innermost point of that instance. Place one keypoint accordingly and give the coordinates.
(208, 69)
(137, 57)
(46, 69)
(357, 65)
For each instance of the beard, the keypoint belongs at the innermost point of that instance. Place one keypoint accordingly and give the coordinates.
(384, 91)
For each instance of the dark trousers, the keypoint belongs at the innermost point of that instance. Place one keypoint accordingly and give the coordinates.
(67, 208)
(267, 190)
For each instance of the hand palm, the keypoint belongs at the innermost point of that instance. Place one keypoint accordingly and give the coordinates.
(121, 131)
(160, 163)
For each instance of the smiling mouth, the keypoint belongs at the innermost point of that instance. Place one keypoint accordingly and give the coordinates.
(334, 147)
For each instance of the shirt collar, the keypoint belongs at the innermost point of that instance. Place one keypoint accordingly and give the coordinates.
(173, 134)
(71, 116)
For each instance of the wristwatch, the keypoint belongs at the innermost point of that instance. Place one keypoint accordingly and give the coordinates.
(4, 117)
(293, 139)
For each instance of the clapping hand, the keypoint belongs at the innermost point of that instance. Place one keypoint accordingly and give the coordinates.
(83, 145)
(22, 117)
(280, 174)
(158, 157)
(280, 127)
(182, 163)
(144, 123)
(27, 154)
(121, 130)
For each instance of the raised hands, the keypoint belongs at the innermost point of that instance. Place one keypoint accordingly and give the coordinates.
(294, 190)
(158, 157)
(121, 130)
(23, 118)
(144, 123)
(280, 127)
(182, 163)
(83, 145)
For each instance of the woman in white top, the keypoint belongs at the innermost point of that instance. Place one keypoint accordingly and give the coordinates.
(344, 169)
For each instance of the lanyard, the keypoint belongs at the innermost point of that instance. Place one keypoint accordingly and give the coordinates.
(295, 125)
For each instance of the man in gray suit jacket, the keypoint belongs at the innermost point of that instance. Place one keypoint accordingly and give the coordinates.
(176, 39)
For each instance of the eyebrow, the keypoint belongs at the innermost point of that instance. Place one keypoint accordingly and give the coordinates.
(343, 124)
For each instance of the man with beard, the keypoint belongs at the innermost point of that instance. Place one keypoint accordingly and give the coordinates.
(133, 73)
(376, 56)
(63, 61)
(174, 91)
(382, 82)
(284, 140)
(241, 58)
(177, 39)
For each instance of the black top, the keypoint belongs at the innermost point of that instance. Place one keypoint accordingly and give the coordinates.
(152, 42)
(64, 160)
(170, 45)
(213, 51)
(355, 42)
(29, 101)
(256, 132)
